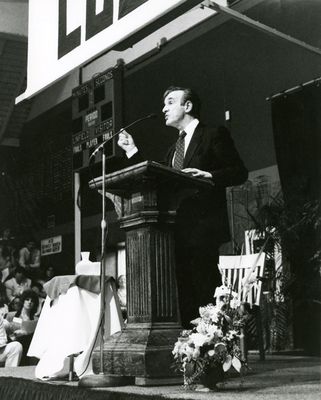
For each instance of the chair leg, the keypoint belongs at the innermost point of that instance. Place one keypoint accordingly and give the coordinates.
(258, 319)
(243, 346)
(71, 368)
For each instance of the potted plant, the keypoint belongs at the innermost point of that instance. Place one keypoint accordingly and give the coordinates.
(212, 347)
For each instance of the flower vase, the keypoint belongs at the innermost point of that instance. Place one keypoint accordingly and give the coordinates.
(211, 376)
(84, 266)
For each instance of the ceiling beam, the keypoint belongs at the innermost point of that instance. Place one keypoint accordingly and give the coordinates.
(233, 14)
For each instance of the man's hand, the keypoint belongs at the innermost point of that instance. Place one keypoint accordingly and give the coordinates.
(126, 141)
(197, 173)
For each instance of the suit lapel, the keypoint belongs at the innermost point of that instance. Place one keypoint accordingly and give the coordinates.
(193, 145)
(170, 155)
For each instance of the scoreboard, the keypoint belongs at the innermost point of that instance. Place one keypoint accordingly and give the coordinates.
(96, 116)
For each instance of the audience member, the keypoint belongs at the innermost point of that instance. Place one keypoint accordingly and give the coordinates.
(16, 285)
(38, 289)
(34, 266)
(25, 255)
(14, 304)
(121, 292)
(4, 262)
(4, 309)
(14, 257)
(7, 239)
(21, 324)
(10, 353)
(48, 274)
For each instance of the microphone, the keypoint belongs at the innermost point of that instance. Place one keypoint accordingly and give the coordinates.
(149, 116)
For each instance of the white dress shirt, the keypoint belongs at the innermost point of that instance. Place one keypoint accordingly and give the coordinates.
(189, 130)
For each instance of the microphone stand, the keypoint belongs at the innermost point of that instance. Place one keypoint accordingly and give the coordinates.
(100, 379)
(103, 226)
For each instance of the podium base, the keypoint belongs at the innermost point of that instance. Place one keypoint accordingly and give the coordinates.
(103, 380)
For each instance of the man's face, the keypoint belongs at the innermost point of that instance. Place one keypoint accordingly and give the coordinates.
(19, 277)
(173, 109)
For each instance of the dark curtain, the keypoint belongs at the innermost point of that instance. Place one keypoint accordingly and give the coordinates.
(297, 134)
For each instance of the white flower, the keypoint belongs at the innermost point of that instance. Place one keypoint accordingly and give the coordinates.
(206, 328)
(209, 313)
(177, 348)
(212, 330)
(198, 339)
(214, 314)
(187, 351)
(232, 334)
(219, 333)
(196, 321)
(196, 353)
(221, 291)
(235, 303)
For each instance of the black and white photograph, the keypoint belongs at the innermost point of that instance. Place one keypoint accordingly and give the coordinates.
(160, 203)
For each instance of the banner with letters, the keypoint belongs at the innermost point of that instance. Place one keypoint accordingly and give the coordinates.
(65, 34)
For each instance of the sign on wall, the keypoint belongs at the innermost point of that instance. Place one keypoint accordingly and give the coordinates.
(65, 34)
(51, 245)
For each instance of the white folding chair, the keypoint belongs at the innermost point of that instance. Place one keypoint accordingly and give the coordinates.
(244, 273)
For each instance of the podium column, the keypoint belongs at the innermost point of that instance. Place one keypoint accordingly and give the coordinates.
(142, 352)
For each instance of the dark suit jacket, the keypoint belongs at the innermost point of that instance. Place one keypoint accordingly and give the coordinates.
(202, 218)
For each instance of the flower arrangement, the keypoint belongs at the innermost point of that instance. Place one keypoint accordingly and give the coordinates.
(213, 343)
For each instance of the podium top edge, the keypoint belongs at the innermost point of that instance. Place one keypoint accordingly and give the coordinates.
(115, 180)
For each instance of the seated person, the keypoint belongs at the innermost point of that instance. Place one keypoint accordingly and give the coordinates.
(14, 304)
(121, 292)
(3, 301)
(10, 353)
(4, 262)
(25, 255)
(38, 289)
(18, 284)
(19, 325)
(34, 266)
(47, 275)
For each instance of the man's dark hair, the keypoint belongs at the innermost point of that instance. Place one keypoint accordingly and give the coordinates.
(37, 285)
(20, 270)
(188, 95)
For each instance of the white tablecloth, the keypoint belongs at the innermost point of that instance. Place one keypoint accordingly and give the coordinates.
(70, 325)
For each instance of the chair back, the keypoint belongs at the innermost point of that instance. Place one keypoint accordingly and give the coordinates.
(244, 273)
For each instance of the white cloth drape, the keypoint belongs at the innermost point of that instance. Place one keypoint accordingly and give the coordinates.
(70, 326)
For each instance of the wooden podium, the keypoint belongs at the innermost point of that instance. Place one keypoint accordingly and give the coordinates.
(146, 196)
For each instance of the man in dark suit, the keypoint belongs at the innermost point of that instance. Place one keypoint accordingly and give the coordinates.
(202, 221)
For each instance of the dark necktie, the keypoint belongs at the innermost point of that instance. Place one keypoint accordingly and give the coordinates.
(180, 149)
